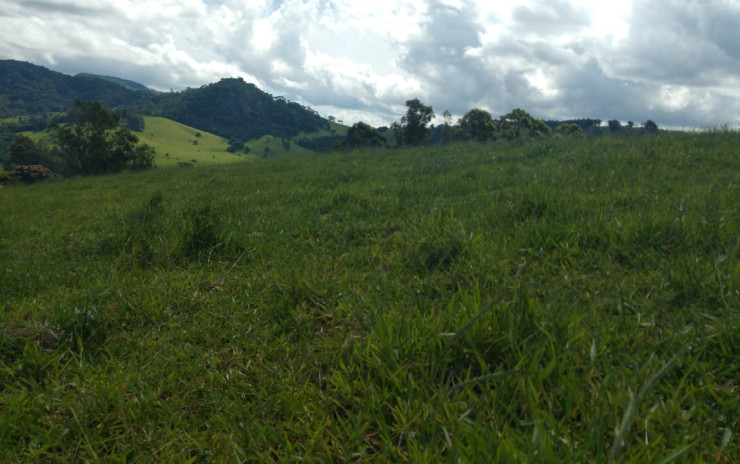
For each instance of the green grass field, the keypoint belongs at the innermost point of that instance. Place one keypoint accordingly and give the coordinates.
(552, 301)
(177, 143)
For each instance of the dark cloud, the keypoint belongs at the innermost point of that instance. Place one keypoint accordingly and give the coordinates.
(589, 92)
(688, 43)
(453, 78)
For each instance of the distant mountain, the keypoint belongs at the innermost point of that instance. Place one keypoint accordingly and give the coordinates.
(230, 108)
(117, 80)
(27, 89)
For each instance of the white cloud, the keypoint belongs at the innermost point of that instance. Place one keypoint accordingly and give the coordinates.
(673, 61)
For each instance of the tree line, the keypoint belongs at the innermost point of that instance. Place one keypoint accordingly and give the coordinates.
(479, 125)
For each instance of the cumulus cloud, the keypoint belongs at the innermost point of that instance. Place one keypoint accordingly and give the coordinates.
(682, 43)
(673, 61)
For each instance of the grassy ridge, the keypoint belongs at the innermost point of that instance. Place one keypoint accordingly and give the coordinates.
(562, 301)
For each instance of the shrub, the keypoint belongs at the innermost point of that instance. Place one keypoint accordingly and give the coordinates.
(235, 146)
(31, 173)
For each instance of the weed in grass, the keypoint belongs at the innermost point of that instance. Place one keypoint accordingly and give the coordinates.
(206, 235)
(143, 233)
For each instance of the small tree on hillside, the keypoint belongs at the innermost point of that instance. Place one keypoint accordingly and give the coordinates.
(235, 146)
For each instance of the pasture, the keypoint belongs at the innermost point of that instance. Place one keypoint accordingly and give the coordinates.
(534, 301)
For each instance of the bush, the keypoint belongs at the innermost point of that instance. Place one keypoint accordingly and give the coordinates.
(31, 173)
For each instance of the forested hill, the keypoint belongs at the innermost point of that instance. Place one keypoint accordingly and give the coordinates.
(230, 108)
(235, 109)
(28, 89)
(116, 80)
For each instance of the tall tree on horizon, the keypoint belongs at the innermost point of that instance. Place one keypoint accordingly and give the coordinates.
(414, 129)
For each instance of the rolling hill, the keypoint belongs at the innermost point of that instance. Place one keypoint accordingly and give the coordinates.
(27, 89)
(230, 108)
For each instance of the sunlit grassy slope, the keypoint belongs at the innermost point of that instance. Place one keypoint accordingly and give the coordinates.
(177, 140)
(554, 301)
(178, 143)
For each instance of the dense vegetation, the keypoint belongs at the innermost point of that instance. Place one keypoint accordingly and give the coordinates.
(231, 108)
(235, 109)
(98, 143)
(117, 80)
(566, 300)
(30, 90)
(95, 142)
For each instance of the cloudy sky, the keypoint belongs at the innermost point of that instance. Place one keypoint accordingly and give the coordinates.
(676, 62)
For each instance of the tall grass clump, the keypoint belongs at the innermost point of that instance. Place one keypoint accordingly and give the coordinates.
(537, 301)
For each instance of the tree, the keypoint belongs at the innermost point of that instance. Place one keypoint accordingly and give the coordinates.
(569, 130)
(362, 135)
(538, 128)
(96, 142)
(133, 121)
(479, 125)
(452, 133)
(614, 125)
(413, 128)
(515, 123)
(511, 124)
(143, 157)
(650, 127)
